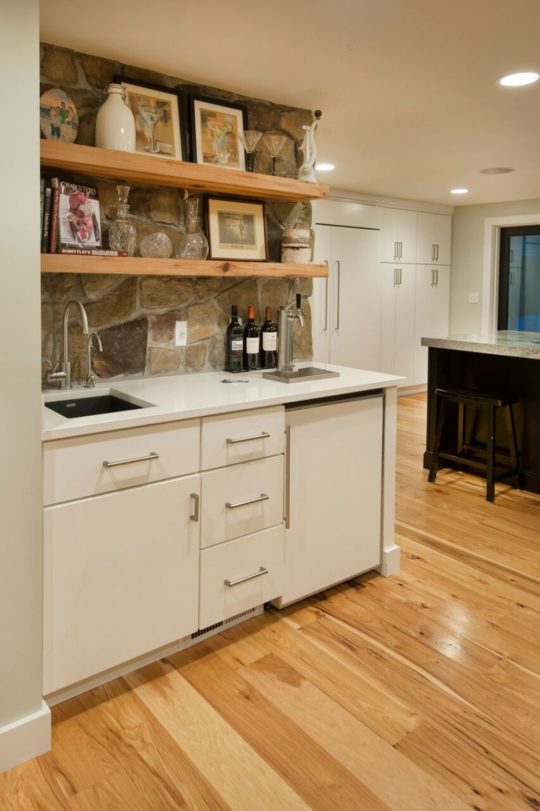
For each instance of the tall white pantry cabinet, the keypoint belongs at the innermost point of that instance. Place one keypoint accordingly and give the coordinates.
(388, 285)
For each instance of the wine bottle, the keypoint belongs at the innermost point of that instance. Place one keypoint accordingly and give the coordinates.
(234, 343)
(251, 341)
(268, 353)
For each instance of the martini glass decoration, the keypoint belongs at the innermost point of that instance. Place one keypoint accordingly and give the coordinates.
(220, 133)
(275, 142)
(150, 117)
(249, 140)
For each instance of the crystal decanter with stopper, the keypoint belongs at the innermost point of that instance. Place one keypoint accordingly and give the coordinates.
(122, 233)
(194, 244)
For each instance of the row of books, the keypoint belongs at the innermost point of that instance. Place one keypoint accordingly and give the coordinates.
(70, 221)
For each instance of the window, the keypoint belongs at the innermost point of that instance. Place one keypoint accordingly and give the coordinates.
(519, 279)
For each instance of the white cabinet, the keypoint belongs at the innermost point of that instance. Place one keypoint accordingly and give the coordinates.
(346, 305)
(333, 493)
(432, 296)
(398, 320)
(121, 574)
(433, 238)
(398, 235)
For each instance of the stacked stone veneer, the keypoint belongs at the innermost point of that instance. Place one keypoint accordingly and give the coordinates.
(135, 316)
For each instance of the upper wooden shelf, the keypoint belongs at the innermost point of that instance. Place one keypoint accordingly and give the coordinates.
(138, 266)
(148, 170)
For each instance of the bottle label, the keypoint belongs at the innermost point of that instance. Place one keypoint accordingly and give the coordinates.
(252, 345)
(269, 341)
(237, 345)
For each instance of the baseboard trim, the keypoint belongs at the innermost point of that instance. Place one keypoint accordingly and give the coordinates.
(25, 738)
(390, 561)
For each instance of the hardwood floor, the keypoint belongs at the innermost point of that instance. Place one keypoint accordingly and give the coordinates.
(415, 692)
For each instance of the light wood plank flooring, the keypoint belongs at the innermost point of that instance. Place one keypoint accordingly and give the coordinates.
(412, 693)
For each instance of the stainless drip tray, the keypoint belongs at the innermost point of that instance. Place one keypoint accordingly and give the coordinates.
(306, 373)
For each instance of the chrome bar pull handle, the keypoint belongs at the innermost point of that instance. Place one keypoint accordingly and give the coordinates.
(239, 440)
(149, 458)
(325, 328)
(436, 277)
(400, 276)
(194, 516)
(400, 250)
(395, 277)
(338, 303)
(260, 573)
(256, 500)
(396, 250)
(437, 252)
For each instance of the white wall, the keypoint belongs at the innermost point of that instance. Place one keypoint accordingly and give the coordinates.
(468, 258)
(20, 420)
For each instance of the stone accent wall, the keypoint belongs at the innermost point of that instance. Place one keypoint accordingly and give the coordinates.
(135, 316)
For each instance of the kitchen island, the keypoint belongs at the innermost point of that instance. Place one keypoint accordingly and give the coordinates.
(507, 364)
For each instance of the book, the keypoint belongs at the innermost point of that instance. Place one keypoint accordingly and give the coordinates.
(91, 252)
(78, 216)
(46, 220)
(41, 203)
(53, 219)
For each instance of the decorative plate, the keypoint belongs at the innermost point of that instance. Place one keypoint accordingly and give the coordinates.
(58, 116)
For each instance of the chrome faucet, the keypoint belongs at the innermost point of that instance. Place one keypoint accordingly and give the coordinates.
(288, 316)
(90, 377)
(63, 376)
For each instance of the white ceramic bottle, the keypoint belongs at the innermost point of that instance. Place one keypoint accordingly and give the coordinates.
(115, 123)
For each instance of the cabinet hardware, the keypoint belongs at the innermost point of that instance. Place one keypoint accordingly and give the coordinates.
(260, 573)
(262, 435)
(400, 251)
(436, 277)
(433, 252)
(396, 250)
(433, 277)
(338, 307)
(287, 516)
(149, 458)
(196, 502)
(326, 301)
(236, 504)
(437, 252)
(395, 277)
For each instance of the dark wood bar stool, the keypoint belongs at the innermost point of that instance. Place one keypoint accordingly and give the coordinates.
(488, 404)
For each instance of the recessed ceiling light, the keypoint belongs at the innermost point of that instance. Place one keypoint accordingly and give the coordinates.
(497, 170)
(519, 79)
(459, 191)
(324, 167)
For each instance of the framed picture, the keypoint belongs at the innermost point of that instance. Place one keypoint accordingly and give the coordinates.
(215, 125)
(159, 128)
(236, 229)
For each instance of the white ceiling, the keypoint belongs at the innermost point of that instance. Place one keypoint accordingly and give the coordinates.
(411, 106)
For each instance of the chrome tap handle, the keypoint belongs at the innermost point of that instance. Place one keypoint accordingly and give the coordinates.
(91, 378)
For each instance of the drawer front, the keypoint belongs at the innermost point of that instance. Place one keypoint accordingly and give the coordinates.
(242, 437)
(84, 466)
(240, 575)
(241, 499)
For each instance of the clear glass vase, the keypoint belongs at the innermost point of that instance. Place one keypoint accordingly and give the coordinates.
(122, 233)
(194, 244)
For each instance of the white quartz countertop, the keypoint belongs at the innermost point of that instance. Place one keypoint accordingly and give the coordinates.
(185, 396)
(505, 342)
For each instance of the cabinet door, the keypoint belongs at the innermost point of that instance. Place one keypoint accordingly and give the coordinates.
(398, 235)
(404, 324)
(356, 299)
(121, 578)
(321, 295)
(432, 297)
(434, 238)
(334, 494)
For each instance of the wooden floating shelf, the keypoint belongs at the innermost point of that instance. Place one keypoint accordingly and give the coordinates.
(139, 266)
(147, 170)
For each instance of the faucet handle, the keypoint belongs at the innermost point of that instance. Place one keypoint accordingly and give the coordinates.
(90, 377)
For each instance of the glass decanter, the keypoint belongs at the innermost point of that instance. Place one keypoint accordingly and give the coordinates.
(194, 244)
(122, 233)
(249, 140)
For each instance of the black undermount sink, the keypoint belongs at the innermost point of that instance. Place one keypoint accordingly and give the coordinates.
(91, 406)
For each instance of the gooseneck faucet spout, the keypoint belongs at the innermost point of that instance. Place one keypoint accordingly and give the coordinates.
(62, 372)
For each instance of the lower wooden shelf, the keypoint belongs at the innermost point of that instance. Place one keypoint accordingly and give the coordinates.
(139, 266)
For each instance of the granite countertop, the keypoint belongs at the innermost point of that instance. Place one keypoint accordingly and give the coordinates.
(505, 342)
(178, 397)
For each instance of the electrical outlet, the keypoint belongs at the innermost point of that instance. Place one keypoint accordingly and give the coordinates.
(474, 298)
(180, 333)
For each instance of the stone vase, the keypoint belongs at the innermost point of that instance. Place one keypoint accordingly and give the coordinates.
(115, 124)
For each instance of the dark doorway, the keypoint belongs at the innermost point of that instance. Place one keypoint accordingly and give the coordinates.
(519, 279)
